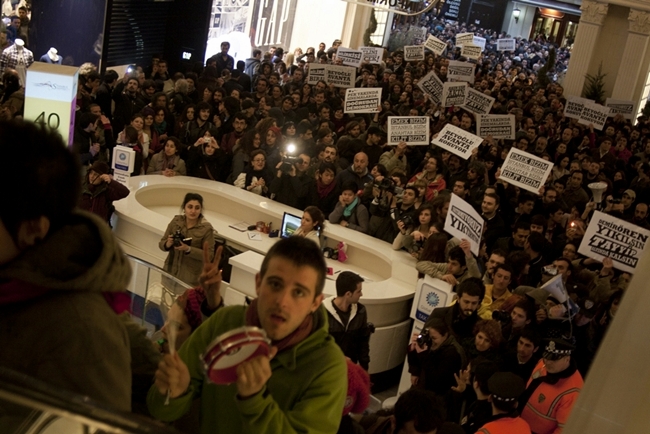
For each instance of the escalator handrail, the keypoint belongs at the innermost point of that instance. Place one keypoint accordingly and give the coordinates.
(159, 270)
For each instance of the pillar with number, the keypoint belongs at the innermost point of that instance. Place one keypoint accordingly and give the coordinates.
(51, 97)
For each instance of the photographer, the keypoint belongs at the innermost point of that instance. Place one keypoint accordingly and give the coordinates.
(291, 185)
(386, 213)
(414, 231)
(99, 191)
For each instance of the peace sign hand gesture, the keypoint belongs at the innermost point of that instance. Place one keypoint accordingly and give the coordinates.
(210, 278)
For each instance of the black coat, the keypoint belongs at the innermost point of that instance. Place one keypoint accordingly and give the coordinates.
(354, 339)
(204, 166)
(435, 369)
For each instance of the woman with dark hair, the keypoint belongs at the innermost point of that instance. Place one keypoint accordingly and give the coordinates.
(327, 195)
(206, 159)
(184, 239)
(432, 174)
(168, 162)
(413, 237)
(155, 145)
(255, 178)
(242, 153)
(305, 95)
(311, 225)
(289, 131)
(187, 116)
(349, 212)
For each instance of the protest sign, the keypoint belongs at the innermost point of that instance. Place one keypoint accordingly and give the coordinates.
(457, 141)
(349, 57)
(464, 38)
(460, 71)
(574, 106)
(463, 222)
(413, 130)
(431, 85)
(480, 42)
(525, 170)
(594, 114)
(436, 45)
(413, 52)
(453, 94)
(362, 100)
(316, 72)
(497, 126)
(471, 51)
(341, 76)
(372, 55)
(478, 102)
(420, 33)
(618, 106)
(617, 239)
(506, 44)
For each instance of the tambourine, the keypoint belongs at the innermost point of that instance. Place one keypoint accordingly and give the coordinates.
(230, 349)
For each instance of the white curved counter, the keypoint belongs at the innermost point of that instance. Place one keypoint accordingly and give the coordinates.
(141, 219)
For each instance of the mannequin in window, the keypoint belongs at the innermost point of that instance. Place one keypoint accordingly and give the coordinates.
(17, 57)
(52, 56)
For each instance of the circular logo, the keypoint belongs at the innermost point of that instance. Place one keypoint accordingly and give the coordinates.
(122, 157)
(432, 299)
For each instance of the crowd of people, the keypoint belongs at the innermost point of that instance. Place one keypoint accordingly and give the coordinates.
(506, 352)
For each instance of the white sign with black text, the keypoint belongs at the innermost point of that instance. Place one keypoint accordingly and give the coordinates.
(594, 114)
(463, 222)
(574, 106)
(460, 71)
(506, 44)
(464, 38)
(497, 126)
(471, 51)
(436, 45)
(413, 52)
(431, 85)
(362, 100)
(618, 106)
(414, 130)
(478, 102)
(372, 55)
(316, 73)
(457, 141)
(349, 56)
(525, 170)
(340, 76)
(453, 94)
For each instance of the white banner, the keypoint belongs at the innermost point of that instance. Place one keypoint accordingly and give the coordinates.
(595, 114)
(506, 44)
(372, 55)
(525, 170)
(480, 42)
(463, 222)
(618, 106)
(457, 141)
(436, 45)
(453, 94)
(362, 100)
(316, 72)
(414, 130)
(431, 85)
(349, 56)
(341, 76)
(413, 52)
(574, 106)
(464, 38)
(610, 237)
(471, 51)
(478, 102)
(497, 126)
(460, 71)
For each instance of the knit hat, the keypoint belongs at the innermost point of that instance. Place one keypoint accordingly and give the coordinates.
(190, 301)
(358, 396)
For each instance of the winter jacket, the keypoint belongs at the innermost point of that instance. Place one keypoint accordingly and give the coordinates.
(187, 266)
(157, 165)
(353, 338)
(357, 221)
(55, 322)
(349, 175)
(435, 369)
(292, 191)
(201, 165)
(99, 199)
(252, 67)
(305, 394)
(437, 270)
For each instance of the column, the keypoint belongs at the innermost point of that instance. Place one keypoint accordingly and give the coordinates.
(593, 15)
(635, 48)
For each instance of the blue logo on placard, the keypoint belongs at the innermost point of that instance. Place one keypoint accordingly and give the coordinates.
(432, 299)
(122, 156)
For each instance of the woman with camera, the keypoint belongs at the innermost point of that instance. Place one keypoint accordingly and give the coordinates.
(184, 240)
(167, 162)
(414, 230)
(206, 159)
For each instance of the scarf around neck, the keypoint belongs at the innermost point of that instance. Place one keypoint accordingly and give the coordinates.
(295, 337)
(324, 190)
(347, 212)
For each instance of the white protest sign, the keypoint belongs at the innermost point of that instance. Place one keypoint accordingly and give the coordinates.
(460, 71)
(413, 52)
(617, 239)
(463, 222)
(372, 55)
(618, 106)
(436, 45)
(497, 126)
(478, 102)
(453, 94)
(480, 42)
(464, 38)
(341, 76)
(349, 56)
(471, 51)
(506, 44)
(420, 33)
(362, 100)
(457, 141)
(525, 170)
(595, 114)
(574, 106)
(431, 85)
(413, 130)
(316, 72)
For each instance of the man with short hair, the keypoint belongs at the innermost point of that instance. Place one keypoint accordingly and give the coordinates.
(357, 173)
(253, 63)
(497, 292)
(460, 266)
(641, 216)
(348, 319)
(522, 361)
(460, 188)
(494, 224)
(299, 385)
(496, 258)
(480, 411)
(261, 89)
(200, 125)
(574, 193)
(292, 187)
(372, 146)
(223, 59)
(239, 125)
(517, 241)
(127, 102)
(505, 389)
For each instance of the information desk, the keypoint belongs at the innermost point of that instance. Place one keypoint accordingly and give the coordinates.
(141, 219)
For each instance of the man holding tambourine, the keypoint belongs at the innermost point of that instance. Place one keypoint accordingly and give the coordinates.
(270, 367)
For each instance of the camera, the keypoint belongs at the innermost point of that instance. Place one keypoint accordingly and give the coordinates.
(178, 238)
(385, 185)
(288, 163)
(407, 220)
(502, 316)
(424, 339)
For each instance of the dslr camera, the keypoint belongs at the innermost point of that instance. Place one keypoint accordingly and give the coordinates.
(407, 220)
(288, 163)
(178, 238)
(424, 339)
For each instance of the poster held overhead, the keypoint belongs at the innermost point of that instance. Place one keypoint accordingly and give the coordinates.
(454, 94)
(464, 38)
(350, 57)
(463, 222)
(471, 51)
(478, 102)
(497, 126)
(594, 114)
(372, 55)
(431, 85)
(506, 44)
(413, 52)
(362, 100)
(461, 71)
(457, 141)
(619, 106)
(574, 106)
(316, 73)
(436, 45)
(341, 76)
(525, 170)
(414, 130)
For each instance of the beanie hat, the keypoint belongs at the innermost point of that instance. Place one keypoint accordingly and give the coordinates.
(358, 396)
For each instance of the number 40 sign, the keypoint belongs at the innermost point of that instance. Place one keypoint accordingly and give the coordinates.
(51, 97)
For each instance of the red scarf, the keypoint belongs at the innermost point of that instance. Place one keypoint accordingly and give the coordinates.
(324, 190)
(297, 336)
